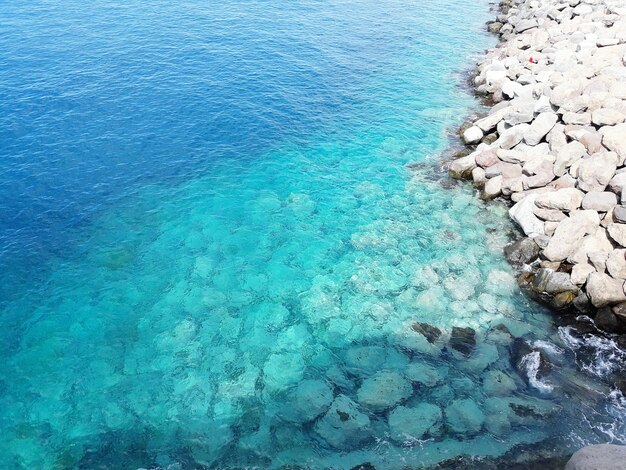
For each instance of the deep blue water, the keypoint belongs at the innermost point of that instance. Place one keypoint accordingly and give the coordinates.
(214, 245)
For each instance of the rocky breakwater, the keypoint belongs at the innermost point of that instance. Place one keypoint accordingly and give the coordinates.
(554, 144)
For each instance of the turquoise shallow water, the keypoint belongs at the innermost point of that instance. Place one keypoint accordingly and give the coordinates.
(227, 243)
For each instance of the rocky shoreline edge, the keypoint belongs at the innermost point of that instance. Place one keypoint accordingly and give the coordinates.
(553, 145)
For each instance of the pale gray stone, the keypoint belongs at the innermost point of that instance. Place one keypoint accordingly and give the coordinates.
(618, 233)
(607, 117)
(596, 242)
(486, 158)
(489, 122)
(581, 119)
(570, 233)
(567, 199)
(567, 155)
(619, 214)
(580, 272)
(493, 187)
(598, 457)
(601, 201)
(614, 139)
(462, 167)
(598, 259)
(551, 215)
(538, 163)
(478, 176)
(472, 135)
(513, 156)
(603, 290)
(543, 105)
(616, 263)
(617, 183)
(596, 171)
(542, 124)
(512, 136)
(522, 213)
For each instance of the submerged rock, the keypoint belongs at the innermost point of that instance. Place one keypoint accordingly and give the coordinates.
(463, 340)
(464, 416)
(384, 390)
(344, 426)
(423, 374)
(496, 383)
(307, 401)
(408, 424)
(432, 333)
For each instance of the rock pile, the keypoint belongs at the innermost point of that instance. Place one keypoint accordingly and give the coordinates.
(554, 144)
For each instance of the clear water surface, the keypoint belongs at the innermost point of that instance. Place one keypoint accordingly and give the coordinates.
(225, 242)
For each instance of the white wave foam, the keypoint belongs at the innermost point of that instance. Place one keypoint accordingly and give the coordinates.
(531, 363)
(606, 357)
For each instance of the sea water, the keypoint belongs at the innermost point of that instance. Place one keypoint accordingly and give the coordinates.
(226, 242)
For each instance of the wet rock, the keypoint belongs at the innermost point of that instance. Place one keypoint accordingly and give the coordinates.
(598, 457)
(462, 167)
(472, 135)
(383, 390)
(604, 290)
(493, 188)
(619, 311)
(432, 333)
(408, 424)
(494, 26)
(552, 282)
(607, 321)
(344, 426)
(463, 340)
(522, 251)
(464, 416)
(207, 451)
(520, 349)
(500, 334)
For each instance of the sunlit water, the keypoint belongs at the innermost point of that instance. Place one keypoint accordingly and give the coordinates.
(226, 242)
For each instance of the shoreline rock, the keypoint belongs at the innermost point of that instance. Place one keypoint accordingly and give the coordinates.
(554, 145)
